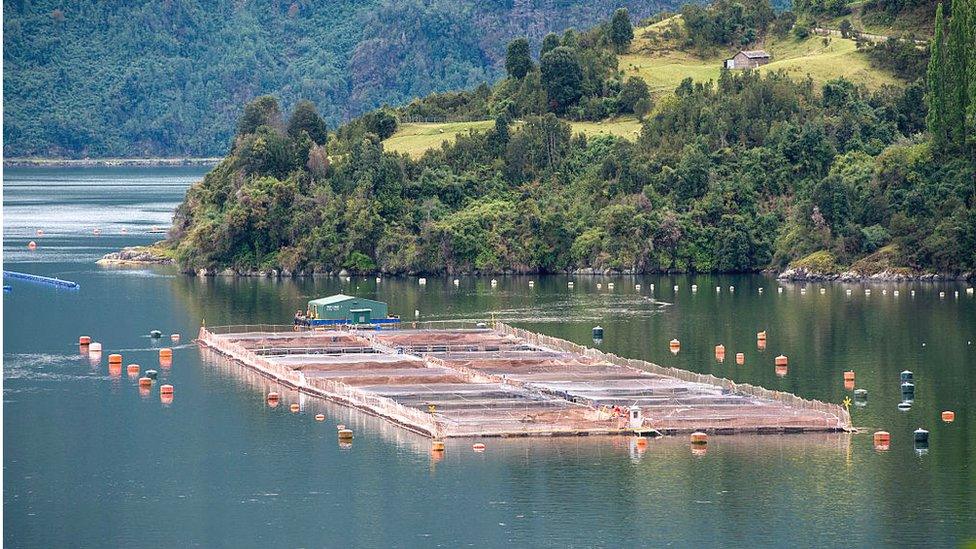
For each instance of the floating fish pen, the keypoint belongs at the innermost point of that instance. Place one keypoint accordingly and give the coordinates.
(505, 381)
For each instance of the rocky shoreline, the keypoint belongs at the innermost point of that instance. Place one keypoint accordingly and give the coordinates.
(890, 275)
(142, 256)
(135, 256)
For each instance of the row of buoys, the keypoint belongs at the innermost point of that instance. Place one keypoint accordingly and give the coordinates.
(94, 350)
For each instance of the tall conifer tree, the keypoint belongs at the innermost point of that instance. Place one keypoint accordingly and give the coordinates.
(956, 81)
(935, 97)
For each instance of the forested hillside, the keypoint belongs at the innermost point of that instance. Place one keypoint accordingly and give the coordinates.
(168, 77)
(744, 173)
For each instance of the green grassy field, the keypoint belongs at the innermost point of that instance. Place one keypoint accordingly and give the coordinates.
(415, 138)
(664, 69)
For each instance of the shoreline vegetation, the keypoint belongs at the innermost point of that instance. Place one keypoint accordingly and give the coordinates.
(109, 162)
(161, 253)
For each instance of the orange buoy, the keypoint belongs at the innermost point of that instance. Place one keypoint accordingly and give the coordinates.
(781, 371)
(40, 232)
(848, 384)
(437, 446)
(166, 398)
(675, 346)
(32, 245)
(132, 369)
(166, 352)
(948, 416)
(273, 396)
(740, 358)
(781, 360)
(115, 359)
(849, 376)
(319, 417)
(882, 440)
(720, 352)
(345, 434)
(295, 408)
(115, 369)
(761, 335)
(165, 389)
(84, 340)
(96, 230)
(144, 390)
(641, 442)
(478, 447)
(699, 437)
(174, 338)
(145, 382)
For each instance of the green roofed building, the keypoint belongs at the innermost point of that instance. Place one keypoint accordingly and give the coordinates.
(345, 309)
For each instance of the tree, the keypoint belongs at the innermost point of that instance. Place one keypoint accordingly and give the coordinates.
(845, 28)
(957, 52)
(518, 60)
(621, 30)
(306, 118)
(935, 98)
(549, 43)
(562, 77)
(262, 111)
(381, 122)
(633, 92)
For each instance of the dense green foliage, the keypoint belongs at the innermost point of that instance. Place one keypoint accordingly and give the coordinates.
(746, 173)
(951, 96)
(168, 78)
(726, 23)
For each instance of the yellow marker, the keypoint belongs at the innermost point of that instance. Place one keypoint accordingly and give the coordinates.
(847, 404)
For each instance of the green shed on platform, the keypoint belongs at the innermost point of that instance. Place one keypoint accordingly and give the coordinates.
(342, 309)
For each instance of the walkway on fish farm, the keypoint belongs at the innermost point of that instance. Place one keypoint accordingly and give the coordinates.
(505, 381)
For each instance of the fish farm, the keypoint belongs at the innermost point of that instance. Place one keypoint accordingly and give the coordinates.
(498, 380)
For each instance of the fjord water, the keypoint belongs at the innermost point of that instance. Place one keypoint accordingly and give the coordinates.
(90, 462)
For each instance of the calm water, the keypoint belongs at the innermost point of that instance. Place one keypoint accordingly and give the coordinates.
(90, 462)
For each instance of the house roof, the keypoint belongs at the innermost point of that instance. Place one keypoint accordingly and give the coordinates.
(754, 54)
(338, 298)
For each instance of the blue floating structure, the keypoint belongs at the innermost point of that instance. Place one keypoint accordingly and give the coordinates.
(42, 279)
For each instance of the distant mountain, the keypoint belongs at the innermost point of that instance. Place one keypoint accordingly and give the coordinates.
(168, 77)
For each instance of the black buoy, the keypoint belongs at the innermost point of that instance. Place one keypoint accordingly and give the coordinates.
(908, 388)
(152, 374)
(905, 405)
(907, 375)
(597, 332)
(155, 334)
(861, 394)
(921, 436)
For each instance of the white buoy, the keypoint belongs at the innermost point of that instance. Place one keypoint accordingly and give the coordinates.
(969, 291)
(570, 284)
(760, 289)
(421, 281)
(676, 287)
(731, 288)
(718, 289)
(494, 283)
(652, 287)
(779, 290)
(457, 282)
(848, 291)
(913, 293)
(531, 283)
(416, 313)
(941, 295)
(867, 291)
(894, 293)
(599, 285)
(637, 287)
(884, 292)
(956, 294)
(803, 291)
(823, 291)
(378, 280)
